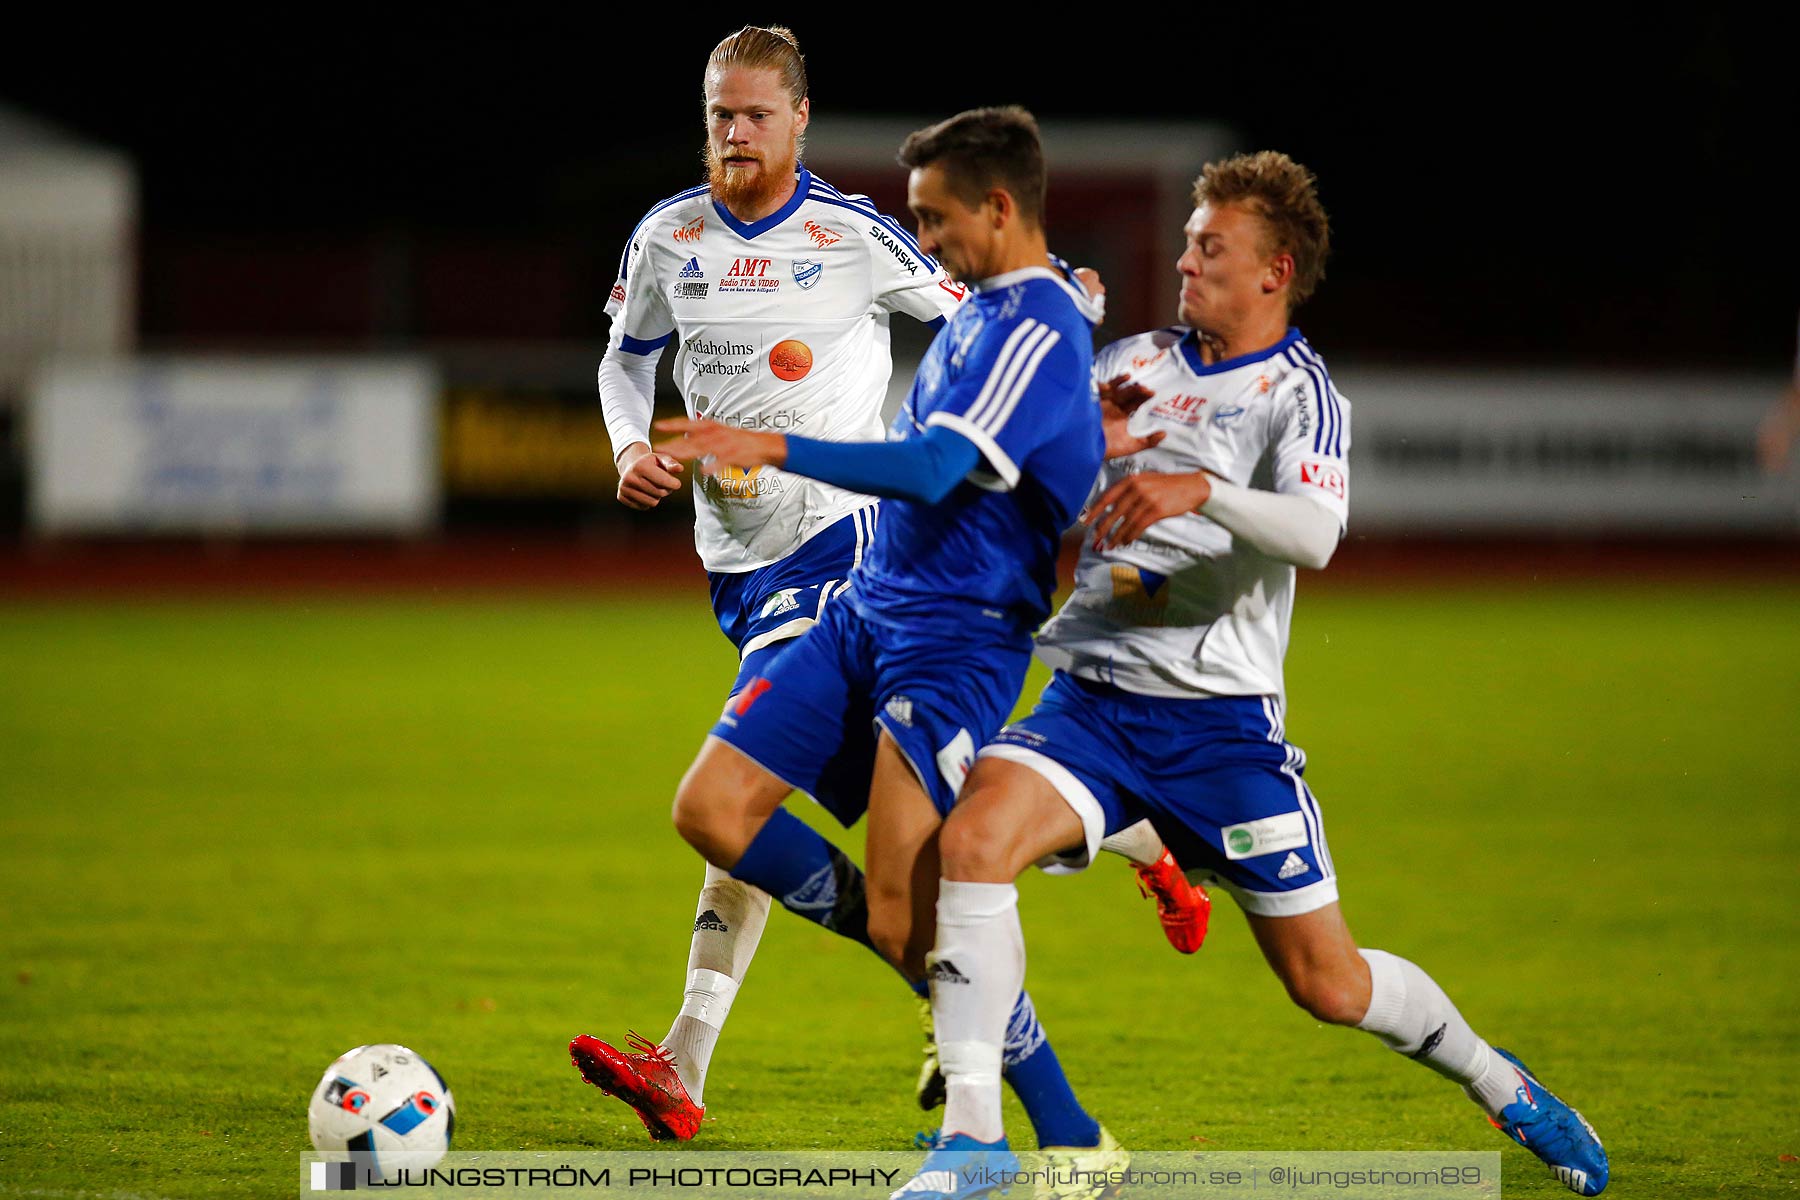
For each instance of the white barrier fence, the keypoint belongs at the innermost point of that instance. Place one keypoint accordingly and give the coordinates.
(349, 444)
(1524, 452)
(189, 445)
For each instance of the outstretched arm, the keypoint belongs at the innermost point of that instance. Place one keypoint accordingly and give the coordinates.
(924, 468)
(1293, 529)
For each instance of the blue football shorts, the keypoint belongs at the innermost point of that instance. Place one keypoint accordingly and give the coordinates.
(1215, 777)
(814, 718)
(762, 610)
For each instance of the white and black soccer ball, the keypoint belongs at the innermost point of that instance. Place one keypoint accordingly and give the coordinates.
(384, 1108)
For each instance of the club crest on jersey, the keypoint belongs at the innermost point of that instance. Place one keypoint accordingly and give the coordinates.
(807, 272)
(971, 328)
(691, 231)
(931, 374)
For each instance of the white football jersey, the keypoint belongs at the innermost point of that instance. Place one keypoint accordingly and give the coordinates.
(1188, 610)
(780, 325)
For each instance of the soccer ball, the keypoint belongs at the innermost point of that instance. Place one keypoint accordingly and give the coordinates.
(384, 1108)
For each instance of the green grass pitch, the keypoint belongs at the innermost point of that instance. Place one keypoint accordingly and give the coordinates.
(238, 839)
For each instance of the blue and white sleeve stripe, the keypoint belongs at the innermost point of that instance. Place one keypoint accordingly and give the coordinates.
(633, 345)
(1011, 375)
(1317, 365)
(1007, 381)
(1328, 434)
(1292, 765)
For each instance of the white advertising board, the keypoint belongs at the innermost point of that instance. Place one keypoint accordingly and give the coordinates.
(1526, 451)
(196, 445)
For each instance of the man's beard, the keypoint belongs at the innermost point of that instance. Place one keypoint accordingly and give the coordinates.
(750, 190)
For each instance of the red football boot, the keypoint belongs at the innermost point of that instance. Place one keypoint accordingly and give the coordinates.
(646, 1080)
(1182, 907)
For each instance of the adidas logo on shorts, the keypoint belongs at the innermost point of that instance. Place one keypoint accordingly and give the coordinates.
(1295, 865)
(784, 601)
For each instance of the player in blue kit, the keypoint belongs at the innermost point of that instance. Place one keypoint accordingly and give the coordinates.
(1168, 700)
(775, 291)
(920, 662)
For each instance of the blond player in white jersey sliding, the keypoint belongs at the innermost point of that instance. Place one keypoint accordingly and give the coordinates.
(776, 290)
(1168, 703)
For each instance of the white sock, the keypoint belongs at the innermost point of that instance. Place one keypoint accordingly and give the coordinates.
(976, 972)
(1496, 1087)
(1140, 843)
(728, 925)
(1412, 1015)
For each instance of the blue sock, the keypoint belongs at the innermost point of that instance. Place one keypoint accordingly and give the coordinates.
(808, 876)
(1037, 1078)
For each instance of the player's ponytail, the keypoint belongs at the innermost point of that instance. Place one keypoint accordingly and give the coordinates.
(764, 49)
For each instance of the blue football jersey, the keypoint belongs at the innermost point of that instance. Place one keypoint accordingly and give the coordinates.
(1012, 372)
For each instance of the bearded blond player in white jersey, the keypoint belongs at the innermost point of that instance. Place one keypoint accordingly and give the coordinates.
(1228, 468)
(776, 290)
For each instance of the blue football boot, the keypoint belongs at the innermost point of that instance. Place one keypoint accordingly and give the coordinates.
(1554, 1132)
(961, 1168)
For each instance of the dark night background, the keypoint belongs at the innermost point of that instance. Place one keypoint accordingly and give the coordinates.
(1540, 185)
